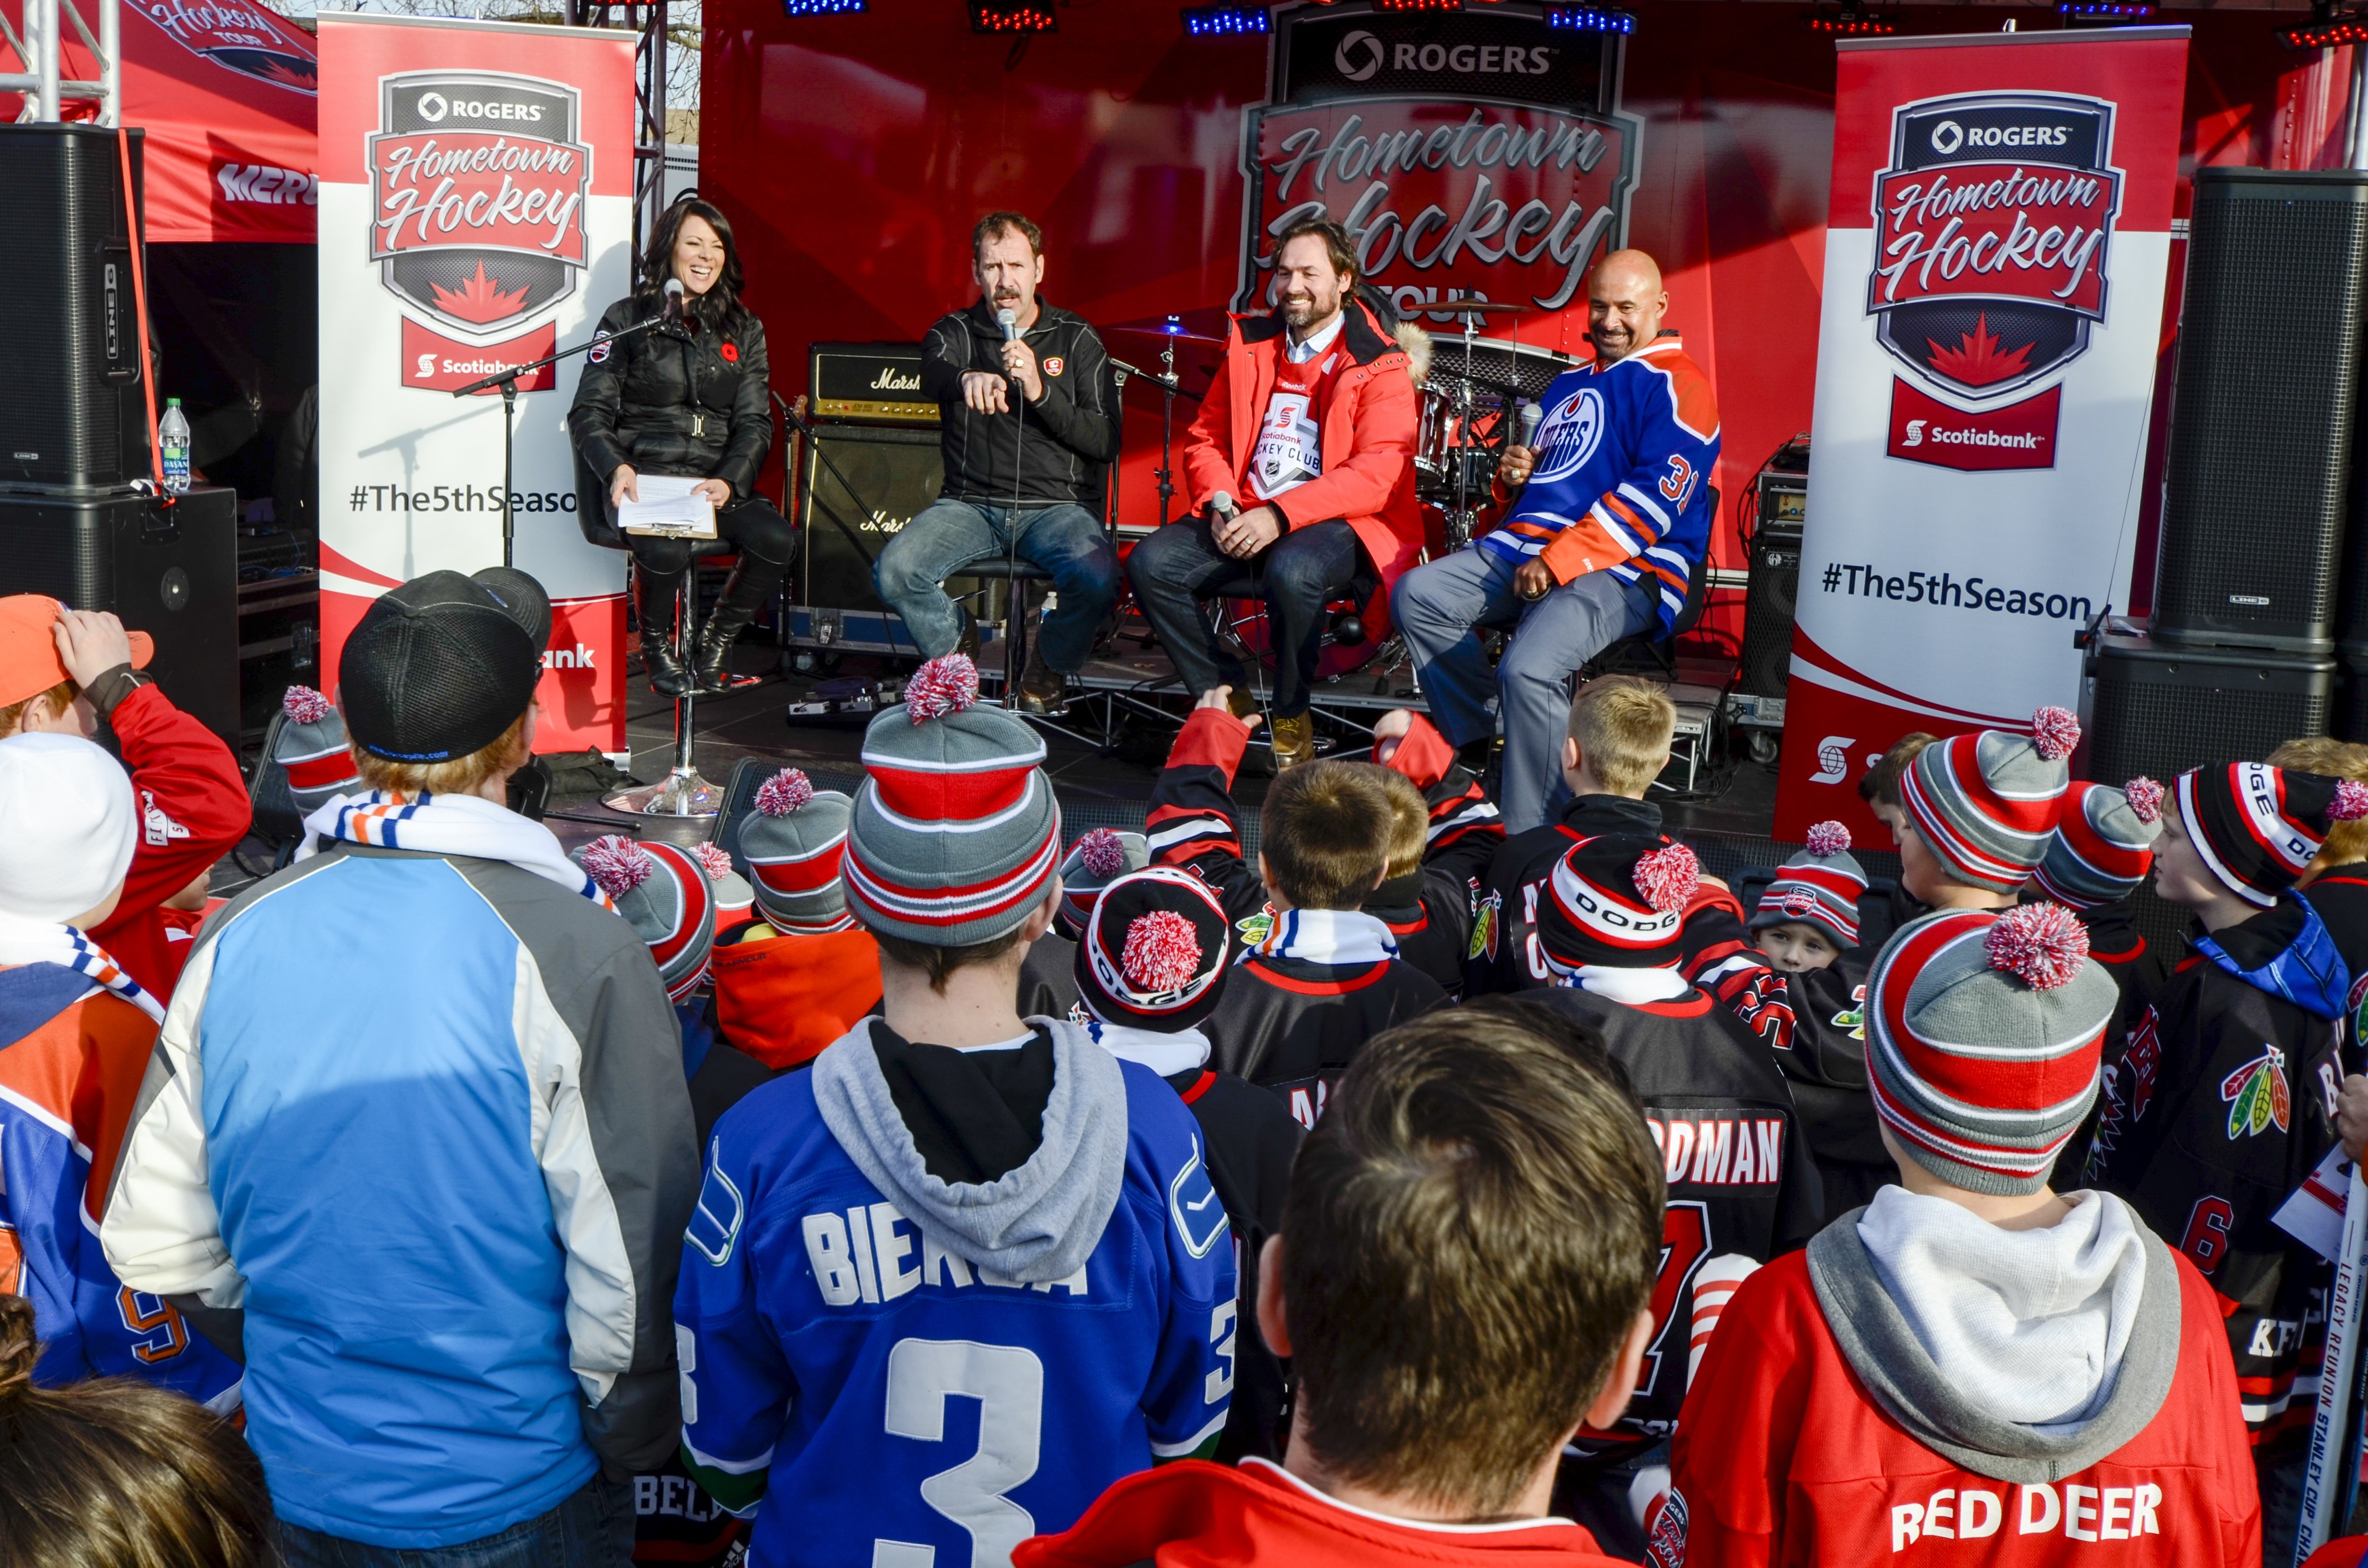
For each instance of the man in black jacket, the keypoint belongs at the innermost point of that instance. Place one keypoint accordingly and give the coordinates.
(1029, 426)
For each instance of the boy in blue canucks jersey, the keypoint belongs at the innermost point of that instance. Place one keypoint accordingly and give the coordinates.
(943, 1289)
(1607, 514)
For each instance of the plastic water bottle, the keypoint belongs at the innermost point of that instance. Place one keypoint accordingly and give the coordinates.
(173, 435)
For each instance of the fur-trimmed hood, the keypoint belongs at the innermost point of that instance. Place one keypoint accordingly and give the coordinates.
(1417, 344)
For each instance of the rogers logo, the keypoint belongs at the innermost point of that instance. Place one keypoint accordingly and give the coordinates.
(1346, 60)
(1948, 136)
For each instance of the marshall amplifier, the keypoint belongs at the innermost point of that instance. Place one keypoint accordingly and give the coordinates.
(867, 383)
(860, 487)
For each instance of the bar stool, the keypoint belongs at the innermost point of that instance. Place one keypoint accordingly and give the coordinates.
(1019, 574)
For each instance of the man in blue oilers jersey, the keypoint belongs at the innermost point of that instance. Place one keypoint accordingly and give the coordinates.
(942, 1289)
(1606, 520)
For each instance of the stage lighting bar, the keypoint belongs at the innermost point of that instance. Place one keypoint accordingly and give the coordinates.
(2327, 29)
(821, 7)
(1222, 20)
(1012, 17)
(1590, 19)
(1418, 4)
(1850, 22)
(2105, 10)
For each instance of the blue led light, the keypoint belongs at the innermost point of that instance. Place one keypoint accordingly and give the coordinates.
(821, 7)
(1223, 20)
(1590, 19)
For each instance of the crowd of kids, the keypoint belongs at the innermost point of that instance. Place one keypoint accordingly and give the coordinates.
(905, 1180)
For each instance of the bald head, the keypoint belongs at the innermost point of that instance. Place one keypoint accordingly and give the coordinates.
(1624, 304)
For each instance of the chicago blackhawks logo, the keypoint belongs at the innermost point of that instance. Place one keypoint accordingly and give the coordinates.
(1483, 927)
(477, 190)
(2258, 1095)
(1992, 227)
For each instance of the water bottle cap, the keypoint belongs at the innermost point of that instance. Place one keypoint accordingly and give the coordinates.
(172, 403)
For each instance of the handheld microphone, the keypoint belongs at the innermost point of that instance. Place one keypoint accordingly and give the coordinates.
(673, 299)
(1008, 319)
(1531, 414)
(1222, 505)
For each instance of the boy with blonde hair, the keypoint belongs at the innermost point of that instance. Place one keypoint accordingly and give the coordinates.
(1617, 744)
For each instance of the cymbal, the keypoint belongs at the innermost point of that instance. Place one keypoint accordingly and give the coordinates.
(1177, 333)
(1466, 308)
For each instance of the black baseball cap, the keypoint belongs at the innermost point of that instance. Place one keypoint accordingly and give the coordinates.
(523, 597)
(441, 666)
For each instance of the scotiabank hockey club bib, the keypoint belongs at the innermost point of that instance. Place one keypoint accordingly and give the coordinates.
(1290, 449)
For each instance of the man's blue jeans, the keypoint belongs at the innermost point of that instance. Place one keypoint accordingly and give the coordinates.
(593, 1528)
(1067, 540)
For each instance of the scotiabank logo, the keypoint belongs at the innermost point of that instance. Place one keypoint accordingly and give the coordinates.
(1926, 430)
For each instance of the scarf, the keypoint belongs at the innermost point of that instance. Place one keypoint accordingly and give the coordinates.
(1338, 937)
(1165, 1054)
(448, 824)
(24, 941)
(1629, 987)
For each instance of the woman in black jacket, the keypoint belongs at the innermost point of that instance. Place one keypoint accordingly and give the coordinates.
(686, 398)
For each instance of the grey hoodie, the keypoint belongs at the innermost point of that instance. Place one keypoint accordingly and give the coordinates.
(2023, 1355)
(1031, 1226)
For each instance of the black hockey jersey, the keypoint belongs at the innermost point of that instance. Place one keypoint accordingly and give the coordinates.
(1310, 985)
(1251, 1143)
(1504, 956)
(1429, 910)
(2342, 899)
(2217, 1106)
(1814, 1024)
(1048, 978)
(1743, 1188)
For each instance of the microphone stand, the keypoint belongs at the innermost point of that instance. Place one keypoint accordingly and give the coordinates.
(508, 380)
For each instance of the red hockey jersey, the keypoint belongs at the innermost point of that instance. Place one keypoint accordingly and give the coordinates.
(1195, 1515)
(1783, 1461)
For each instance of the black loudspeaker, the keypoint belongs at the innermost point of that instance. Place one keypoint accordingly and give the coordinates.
(72, 412)
(2351, 722)
(863, 486)
(1769, 605)
(2152, 709)
(171, 571)
(2261, 438)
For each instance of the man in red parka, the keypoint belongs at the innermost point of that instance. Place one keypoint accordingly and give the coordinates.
(1308, 432)
(1971, 1368)
(64, 670)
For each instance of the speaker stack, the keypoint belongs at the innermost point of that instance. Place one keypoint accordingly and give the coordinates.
(2250, 589)
(871, 467)
(73, 426)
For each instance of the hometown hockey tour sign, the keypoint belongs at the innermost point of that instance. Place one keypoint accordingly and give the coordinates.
(1996, 254)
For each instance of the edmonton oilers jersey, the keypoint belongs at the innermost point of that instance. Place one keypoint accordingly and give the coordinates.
(874, 1399)
(1625, 455)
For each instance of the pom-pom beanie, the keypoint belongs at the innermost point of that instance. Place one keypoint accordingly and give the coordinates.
(310, 750)
(2104, 845)
(2258, 827)
(955, 835)
(1819, 886)
(793, 843)
(1984, 1034)
(1618, 901)
(1986, 804)
(663, 894)
(1096, 860)
(1154, 952)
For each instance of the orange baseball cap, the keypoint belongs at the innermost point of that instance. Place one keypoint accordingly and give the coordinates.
(29, 647)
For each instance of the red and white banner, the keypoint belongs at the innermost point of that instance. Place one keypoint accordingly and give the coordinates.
(1994, 264)
(471, 217)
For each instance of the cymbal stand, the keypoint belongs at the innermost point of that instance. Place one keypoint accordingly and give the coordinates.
(1460, 517)
(1167, 384)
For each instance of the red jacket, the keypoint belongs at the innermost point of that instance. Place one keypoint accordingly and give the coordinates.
(1368, 437)
(783, 999)
(1783, 1457)
(1193, 1514)
(193, 810)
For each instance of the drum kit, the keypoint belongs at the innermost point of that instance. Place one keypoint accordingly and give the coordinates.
(1472, 401)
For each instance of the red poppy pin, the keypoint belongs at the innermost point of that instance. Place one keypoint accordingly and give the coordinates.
(731, 355)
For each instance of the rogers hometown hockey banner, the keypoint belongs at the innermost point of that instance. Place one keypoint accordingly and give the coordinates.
(472, 215)
(1995, 263)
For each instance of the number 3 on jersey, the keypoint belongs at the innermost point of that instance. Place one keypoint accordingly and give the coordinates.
(1008, 1383)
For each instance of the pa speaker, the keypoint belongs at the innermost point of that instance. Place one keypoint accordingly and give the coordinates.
(72, 412)
(2255, 492)
(171, 571)
(2153, 709)
(1769, 605)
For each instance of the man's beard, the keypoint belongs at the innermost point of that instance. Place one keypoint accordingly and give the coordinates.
(1305, 311)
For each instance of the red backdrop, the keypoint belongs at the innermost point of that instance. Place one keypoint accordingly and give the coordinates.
(854, 152)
